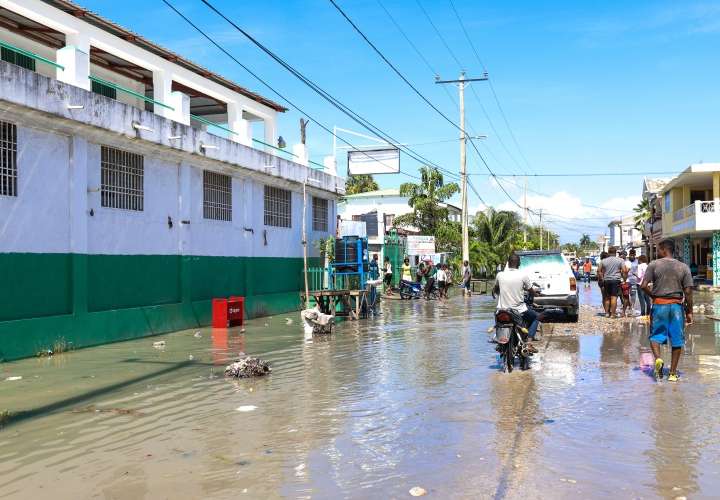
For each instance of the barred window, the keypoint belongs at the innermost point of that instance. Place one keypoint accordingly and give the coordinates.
(8, 159)
(121, 179)
(320, 214)
(102, 89)
(14, 57)
(217, 196)
(277, 207)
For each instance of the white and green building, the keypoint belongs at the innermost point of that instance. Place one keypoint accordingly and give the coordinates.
(136, 186)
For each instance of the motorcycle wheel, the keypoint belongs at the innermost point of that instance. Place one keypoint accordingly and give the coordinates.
(404, 295)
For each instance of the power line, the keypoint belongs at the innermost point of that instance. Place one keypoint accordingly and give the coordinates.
(267, 85)
(363, 122)
(492, 87)
(583, 174)
(427, 101)
(442, 39)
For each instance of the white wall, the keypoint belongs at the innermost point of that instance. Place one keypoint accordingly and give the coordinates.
(39, 220)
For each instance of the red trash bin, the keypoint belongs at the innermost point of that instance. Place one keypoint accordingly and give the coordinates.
(228, 312)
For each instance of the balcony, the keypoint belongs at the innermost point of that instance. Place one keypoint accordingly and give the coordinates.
(698, 217)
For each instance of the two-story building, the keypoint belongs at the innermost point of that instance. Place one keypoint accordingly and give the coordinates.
(136, 186)
(691, 216)
(378, 209)
(624, 234)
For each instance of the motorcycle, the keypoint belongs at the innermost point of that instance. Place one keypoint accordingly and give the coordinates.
(511, 340)
(410, 289)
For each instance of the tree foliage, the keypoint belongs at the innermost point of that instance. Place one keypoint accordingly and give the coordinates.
(357, 184)
(430, 214)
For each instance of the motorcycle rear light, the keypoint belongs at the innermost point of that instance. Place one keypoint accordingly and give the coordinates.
(573, 284)
(503, 317)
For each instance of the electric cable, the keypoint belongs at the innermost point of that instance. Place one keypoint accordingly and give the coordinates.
(269, 87)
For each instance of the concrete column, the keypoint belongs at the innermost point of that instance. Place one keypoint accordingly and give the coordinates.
(716, 190)
(302, 155)
(239, 125)
(330, 165)
(79, 213)
(179, 103)
(75, 58)
(270, 133)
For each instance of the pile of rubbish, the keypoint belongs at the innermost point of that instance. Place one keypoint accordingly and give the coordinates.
(248, 367)
(316, 322)
(704, 309)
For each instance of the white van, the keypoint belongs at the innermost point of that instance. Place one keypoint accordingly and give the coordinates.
(552, 273)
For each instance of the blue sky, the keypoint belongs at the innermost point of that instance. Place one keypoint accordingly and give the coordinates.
(612, 86)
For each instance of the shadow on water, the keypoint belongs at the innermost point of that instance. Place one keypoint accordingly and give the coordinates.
(66, 403)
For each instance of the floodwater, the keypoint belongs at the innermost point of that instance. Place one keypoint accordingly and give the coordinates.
(410, 399)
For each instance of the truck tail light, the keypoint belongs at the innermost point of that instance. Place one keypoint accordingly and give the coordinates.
(573, 284)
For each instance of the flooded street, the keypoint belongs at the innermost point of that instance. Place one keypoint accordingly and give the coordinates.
(410, 399)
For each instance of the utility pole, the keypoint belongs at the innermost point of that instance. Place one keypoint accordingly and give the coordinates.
(525, 216)
(541, 230)
(461, 82)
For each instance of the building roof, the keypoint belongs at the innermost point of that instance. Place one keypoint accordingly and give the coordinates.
(380, 193)
(696, 175)
(145, 44)
(652, 186)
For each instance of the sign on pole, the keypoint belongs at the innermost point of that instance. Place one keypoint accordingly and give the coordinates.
(374, 161)
(420, 245)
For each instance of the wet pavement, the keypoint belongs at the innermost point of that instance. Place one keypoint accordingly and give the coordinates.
(411, 399)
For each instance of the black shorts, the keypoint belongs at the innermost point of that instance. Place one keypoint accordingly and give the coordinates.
(442, 284)
(612, 288)
(388, 279)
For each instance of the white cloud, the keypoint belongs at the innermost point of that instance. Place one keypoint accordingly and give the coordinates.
(570, 217)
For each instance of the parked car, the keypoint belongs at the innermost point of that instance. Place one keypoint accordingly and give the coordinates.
(552, 273)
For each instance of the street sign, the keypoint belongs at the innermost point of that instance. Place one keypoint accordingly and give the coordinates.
(420, 245)
(375, 161)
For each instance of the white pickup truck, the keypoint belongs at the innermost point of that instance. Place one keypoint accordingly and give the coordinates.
(552, 273)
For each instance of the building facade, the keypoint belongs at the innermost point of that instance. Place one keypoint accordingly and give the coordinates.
(624, 234)
(379, 209)
(691, 217)
(120, 220)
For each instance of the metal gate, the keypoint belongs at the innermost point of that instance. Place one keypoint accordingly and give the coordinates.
(394, 248)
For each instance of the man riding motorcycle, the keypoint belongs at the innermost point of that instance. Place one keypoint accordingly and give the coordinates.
(511, 286)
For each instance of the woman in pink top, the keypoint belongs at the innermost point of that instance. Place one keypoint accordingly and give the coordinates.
(645, 300)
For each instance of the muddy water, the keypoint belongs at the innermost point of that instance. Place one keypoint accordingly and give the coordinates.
(411, 399)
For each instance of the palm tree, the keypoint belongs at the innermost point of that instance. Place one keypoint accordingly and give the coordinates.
(357, 184)
(426, 198)
(642, 214)
(585, 241)
(496, 233)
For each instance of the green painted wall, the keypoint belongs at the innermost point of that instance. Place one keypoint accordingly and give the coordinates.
(86, 300)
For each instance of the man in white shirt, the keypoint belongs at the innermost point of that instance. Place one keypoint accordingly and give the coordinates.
(510, 286)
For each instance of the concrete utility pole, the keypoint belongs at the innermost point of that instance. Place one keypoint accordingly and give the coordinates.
(541, 230)
(461, 82)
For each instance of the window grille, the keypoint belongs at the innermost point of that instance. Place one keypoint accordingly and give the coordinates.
(122, 179)
(102, 89)
(21, 60)
(8, 159)
(217, 196)
(277, 207)
(320, 214)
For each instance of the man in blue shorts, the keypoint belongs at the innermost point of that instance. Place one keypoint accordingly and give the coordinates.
(669, 282)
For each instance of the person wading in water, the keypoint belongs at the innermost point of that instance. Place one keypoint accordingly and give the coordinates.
(669, 282)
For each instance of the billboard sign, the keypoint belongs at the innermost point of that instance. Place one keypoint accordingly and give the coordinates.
(374, 161)
(420, 245)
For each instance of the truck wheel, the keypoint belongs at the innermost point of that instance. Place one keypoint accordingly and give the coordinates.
(573, 318)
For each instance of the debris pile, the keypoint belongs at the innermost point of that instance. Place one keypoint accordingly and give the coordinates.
(248, 367)
(591, 321)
